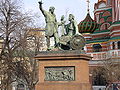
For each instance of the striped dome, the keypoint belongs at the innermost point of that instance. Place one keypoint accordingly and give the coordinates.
(88, 25)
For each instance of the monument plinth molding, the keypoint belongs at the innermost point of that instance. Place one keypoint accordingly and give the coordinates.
(63, 70)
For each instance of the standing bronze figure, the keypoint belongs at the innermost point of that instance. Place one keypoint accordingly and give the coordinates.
(51, 25)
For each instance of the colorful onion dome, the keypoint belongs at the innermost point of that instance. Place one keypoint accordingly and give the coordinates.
(88, 25)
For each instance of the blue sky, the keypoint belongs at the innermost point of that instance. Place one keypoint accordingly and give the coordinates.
(62, 7)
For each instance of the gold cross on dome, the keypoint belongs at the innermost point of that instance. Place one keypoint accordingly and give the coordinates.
(88, 5)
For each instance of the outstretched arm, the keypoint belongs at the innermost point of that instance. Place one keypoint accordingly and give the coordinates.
(40, 6)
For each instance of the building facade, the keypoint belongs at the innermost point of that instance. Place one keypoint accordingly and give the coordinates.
(36, 39)
(103, 43)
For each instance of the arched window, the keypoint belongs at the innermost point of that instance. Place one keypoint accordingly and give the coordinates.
(104, 26)
(97, 48)
(113, 45)
(118, 44)
(20, 87)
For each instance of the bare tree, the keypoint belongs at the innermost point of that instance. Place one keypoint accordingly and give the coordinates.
(97, 76)
(112, 69)
(30, 76)
(15, 58)
(107, 72)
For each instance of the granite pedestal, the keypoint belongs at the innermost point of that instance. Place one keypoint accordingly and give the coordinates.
(63, 70)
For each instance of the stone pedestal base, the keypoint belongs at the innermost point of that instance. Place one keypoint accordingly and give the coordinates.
(60, 70)
(63, 86)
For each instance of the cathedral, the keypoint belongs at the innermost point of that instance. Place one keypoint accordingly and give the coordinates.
(102, 33)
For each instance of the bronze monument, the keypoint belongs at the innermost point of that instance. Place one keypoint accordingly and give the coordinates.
(64, 67)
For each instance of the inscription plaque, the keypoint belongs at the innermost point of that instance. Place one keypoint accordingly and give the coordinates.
(66, 73)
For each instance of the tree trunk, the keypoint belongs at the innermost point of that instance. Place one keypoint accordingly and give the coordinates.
(31, 87)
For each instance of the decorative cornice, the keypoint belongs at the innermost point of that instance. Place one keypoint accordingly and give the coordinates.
(100, 9)
(99, 33)
(114, 31)
(114, 25)
(61, 55)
